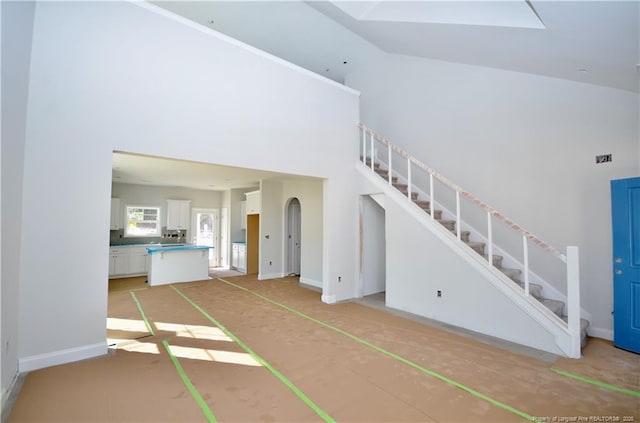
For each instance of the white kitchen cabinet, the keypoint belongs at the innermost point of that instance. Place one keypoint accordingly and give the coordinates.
(138, 260)
(254, 200)
(178, 214)
(116, 219)
(119, 259)
(239, 256)
(243, 215)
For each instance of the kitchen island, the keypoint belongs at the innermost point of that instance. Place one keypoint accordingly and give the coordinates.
(172, 264)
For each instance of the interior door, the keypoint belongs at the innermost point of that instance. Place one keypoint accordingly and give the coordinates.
(293, 237)
(625, 214)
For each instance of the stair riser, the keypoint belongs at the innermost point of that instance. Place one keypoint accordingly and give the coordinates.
(385, 175)
(449, 224)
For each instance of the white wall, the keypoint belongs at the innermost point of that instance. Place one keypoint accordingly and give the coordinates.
(146, 195)
(419, 265)
(525, 144)
(17, 27)
(373, 247)
(114, 76)
(271, 230)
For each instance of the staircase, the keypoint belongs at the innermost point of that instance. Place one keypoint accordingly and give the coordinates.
(514, 275)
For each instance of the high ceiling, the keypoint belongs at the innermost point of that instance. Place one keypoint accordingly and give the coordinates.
(594, 42)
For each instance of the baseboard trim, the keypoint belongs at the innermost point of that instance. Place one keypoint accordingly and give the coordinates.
(55, 358)
(601, 333)
(271, 276)
(328, 299)
(311, 282)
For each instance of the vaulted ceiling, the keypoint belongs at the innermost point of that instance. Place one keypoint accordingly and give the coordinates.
(595, 42)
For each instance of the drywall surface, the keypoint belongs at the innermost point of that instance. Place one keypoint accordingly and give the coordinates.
(118, 76)
(524, 144)
(17, 27)
(373, 247)
(309, 194)
(419, 265)
(147, 195)
(270, 260)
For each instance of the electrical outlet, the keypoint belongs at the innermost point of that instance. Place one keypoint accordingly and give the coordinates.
(603, 158)
(339, 278)
(439, 293)
(270, 263)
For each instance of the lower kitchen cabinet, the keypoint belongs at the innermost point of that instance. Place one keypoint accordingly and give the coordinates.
(239, 256)
(138, 260)
(118, 261)
(128, 261)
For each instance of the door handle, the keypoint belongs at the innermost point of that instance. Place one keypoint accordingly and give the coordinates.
(618, 260)
(618, 272)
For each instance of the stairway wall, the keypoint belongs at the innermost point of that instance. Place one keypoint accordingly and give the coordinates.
(525, 144)
(419, 265)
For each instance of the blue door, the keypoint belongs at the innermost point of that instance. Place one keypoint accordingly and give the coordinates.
(625, 215)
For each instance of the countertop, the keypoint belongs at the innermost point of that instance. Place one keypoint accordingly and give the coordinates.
(147, 244)
(157, 249)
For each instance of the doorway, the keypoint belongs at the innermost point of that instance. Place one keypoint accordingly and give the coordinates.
(253, 243)
(223, 256)
(625, 203)
(373, 246)
(206, 224)
(294, 236)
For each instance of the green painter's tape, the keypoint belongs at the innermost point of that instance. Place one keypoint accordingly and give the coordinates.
(185, 379)
(259, 359)
(144, 316)
(394, 356)
(187, 382)
(597, 383)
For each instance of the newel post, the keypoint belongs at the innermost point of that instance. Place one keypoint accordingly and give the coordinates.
(573, 299)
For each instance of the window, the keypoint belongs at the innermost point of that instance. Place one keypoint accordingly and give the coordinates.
(142, 221)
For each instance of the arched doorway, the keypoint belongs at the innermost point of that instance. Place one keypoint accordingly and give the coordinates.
(293, 237)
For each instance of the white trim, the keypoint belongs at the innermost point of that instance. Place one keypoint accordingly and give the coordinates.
(271, 276)
(311, 282)
(328, 299)
(199, 27)
(550, 291)
(601, 333)
(41, 361)
(545, 318)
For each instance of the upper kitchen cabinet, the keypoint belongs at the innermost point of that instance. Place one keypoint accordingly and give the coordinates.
(254, 201)
(116, 219)
(178, 214)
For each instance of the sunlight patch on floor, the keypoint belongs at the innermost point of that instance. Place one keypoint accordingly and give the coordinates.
(129, 325)
(132, 345)
(214, 355)
(194, 331)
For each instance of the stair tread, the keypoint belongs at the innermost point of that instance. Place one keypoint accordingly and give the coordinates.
(584, 323)
(553, 305)
(534, 289)
(509, 271)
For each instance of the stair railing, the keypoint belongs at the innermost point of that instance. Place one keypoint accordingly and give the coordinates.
(371, 140)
